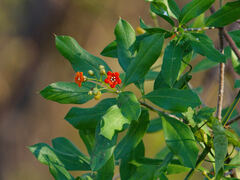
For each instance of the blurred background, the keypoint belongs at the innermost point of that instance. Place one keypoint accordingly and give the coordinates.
(29, 61)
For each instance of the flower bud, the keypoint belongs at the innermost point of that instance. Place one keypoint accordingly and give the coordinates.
(90, 93)
(102, 71)
(101, 67)
(84, 78)
(140, 30)
(95, 91)
(98, 95)
(91, 73)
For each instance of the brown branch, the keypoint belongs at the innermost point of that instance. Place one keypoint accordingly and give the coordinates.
(158, 110)
(231, 43)
(237, 118)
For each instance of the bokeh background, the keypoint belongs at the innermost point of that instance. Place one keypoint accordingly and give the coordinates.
(29, 61)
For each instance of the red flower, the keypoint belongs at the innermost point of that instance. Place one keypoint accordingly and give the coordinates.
(112, 79)
(79, 78)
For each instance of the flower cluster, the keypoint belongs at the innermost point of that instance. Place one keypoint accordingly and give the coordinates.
(112, 79)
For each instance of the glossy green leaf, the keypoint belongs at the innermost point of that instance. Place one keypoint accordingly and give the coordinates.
(112, 121)
(172, 5)
(176, 169)
(134, 135)
(159, 82)
(80, 59)
(204, 65)
(127, 168)
(145, 172)
(88, 137)
(182, 82)
(181, 141)
(204, 114)
(71, 161)
(229, 13)
(107, 171)
(232, 138)
(204, 46)
(155, 125)
(151, 75)
(174, 99)
(171, 62)
(235, 35)
(102, 151)
(194, 9)
(129, 105)
(161, 10)
(110, 50)
(67, 92)
(82, 118)
(125, 37)
(149, 51)
(220, 143)
(59, 172)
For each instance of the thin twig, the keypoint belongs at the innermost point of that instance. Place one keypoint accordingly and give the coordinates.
(231, 43)
(237, 118)
(116, 177)
(158, 110)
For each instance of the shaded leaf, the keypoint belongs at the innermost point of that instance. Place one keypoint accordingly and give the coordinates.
(204, 46)
(125, 37)
(134, 135)
(181, 141)
(59, 172)
(67, 92)
(171, 62)
(174, 99)
(235, 35)
(220, 143)
(110, 50)
(88, 137)
(155, 125)
(82, 118)
(80, 59)
(229, 13)
(102, 151)
(129, 105)
(204, 65)
(150, 49)
(107, 171)
(194, 9)
(71, 161)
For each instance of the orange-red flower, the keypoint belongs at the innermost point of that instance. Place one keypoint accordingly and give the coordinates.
(112, 79)
(79, 78)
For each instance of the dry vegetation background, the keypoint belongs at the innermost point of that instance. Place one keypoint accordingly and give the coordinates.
(29, 61)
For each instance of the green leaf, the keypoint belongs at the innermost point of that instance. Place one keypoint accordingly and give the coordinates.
(174, 99)
(129, 105)
(235, 35)
(182, 83)
(110, 50)
(112, 121)
(71, 161)
(172, 5)
(127, 169)
(67, 92)
(102, 151)
(204, 46)
(153, 30)
(204, 114)
(180, 140)
(161, 10)
(82, 118)
(204, 65)
(194, 9)
(134, 135)
(155, 125)
(176, 169)
(125, 37)
(237, 84)
(59, 172)
(80, 59)
(150, 49)
(235, 62)
(171, 62)
(145, 172)
(232, 138)
(220, 143)
(107, 171)
(159, 82)
(88, 137)
(234, 163)
(229, 13)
